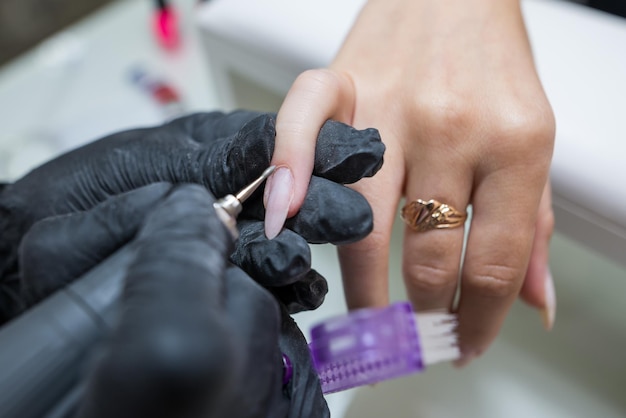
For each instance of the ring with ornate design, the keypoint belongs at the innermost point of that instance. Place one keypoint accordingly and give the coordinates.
(423, 215)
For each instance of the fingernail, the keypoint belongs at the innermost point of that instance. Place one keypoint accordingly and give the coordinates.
(278, 196)
(548, 313)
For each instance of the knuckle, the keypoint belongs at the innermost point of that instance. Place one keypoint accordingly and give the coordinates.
(429, 278)
(495, 281)
(527, 124)
(319, 80)
(443, 111)
(511, 127)
(524, 131)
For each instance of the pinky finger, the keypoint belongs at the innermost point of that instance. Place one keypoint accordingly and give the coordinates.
(538, 289)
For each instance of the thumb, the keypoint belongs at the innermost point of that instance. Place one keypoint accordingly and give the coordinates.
(59, 249)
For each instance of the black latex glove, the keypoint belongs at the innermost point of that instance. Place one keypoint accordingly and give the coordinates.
(223, 152)
(196, 336)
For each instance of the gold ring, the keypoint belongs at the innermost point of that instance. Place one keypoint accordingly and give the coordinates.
(423, 216)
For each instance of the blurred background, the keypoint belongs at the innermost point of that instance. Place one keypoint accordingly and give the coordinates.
(24, 23)
(74, 70)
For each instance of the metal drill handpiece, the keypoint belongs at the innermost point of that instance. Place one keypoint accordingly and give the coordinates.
(229, 206)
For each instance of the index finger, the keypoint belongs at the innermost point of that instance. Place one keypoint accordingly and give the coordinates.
(315, 96)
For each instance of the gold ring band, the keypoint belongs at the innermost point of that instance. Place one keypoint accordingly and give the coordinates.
(423, 216)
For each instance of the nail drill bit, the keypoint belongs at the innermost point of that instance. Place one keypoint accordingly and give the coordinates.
(230, 206)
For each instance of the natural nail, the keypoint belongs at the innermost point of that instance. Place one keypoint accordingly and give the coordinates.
(548, 313)
(278, 196)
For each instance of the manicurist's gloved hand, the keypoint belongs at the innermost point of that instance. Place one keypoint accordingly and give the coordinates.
(196, 336)
(222, 152)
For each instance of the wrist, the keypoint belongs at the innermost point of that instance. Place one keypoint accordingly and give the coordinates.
(441, 16)
(451, 7)
(426, 33)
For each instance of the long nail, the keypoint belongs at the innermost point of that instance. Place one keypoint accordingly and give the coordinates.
(278, 197)
(548, 313)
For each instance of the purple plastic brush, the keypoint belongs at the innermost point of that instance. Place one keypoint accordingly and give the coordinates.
(371, 345)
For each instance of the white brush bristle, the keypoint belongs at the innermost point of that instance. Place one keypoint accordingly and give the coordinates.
(438, 338)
